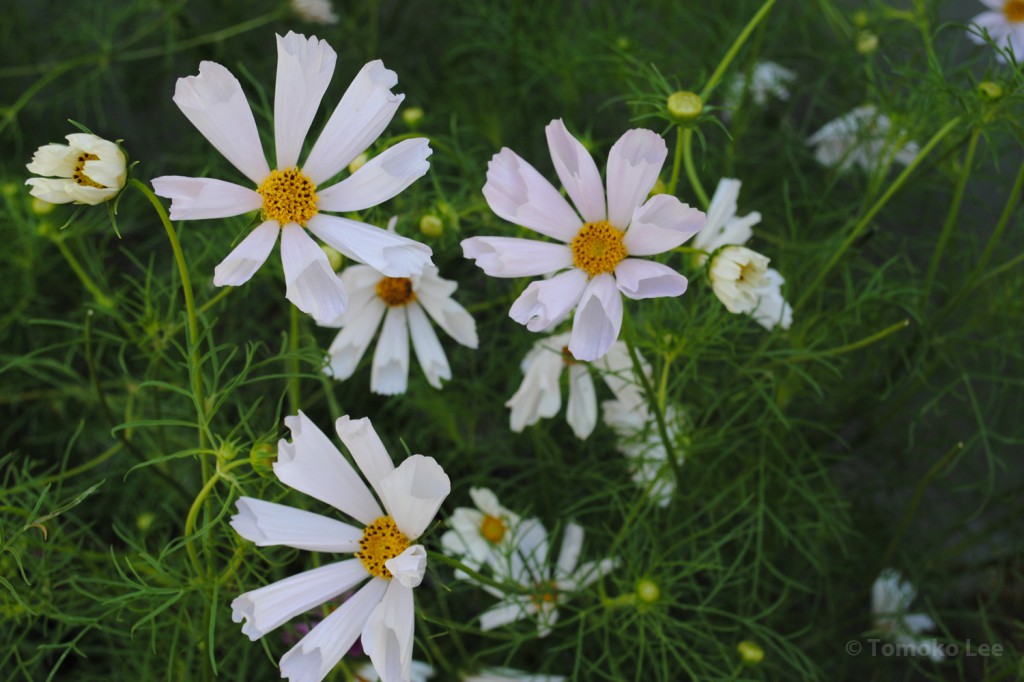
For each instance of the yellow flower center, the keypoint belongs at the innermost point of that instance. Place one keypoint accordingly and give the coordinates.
(597, 248)
(396, 291)
(79, 175)
(381, 541)
(289, 196)
(547, 593)
(492, 528)
(1014, 10)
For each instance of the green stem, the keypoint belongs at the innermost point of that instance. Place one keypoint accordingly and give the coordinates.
(691, 169)
(734, 50)
(292, 364)
(677, 159)
(102, 300)
(1004, 220)
(850, 347)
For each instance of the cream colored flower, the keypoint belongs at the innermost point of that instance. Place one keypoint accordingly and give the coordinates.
(743, 282)
(87, 170)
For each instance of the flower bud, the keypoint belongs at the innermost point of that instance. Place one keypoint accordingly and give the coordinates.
(412, 116)
(40, 207)
(87, 170)
(262, 457)
(144, 521)
(358, 162)
(860, 18)
(647, 591)
(334, 257)
(736, 274)
(989, 90)
(431, 226)
(659, 187)
(867, 42)
(684, 106)
(750, 652)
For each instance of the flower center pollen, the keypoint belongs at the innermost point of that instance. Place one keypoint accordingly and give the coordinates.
(79, 175)
(1014, 11)
(546, 593)
(289, 196)
(597, 248)
(492, 528)
(396, 291)
(381, 541)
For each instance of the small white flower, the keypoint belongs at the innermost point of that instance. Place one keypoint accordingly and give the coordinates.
(87, 170)
(863, 137)
(548, 586)
(890, 599)
(540, 394)
(381, 612)
(510, 675)
(1005, 25)
(292, 199)
(419, 672)
(483, 535)
(768, 79)
(742, 280)
(723, 226)
(595, 261)
(315, 11)
(640, 442)
(406, 304)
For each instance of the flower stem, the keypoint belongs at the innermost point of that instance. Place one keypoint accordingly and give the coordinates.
(677, 162)
(102, 300)
(1004, 220)
(691, 169)
(292, 365)
(737, 44)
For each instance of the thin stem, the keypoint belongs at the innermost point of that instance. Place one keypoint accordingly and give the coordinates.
(850, 347)
(292, 364)
(1004, 220)
(691, 169)
(677, 159)
(102, 300)
(734, 50)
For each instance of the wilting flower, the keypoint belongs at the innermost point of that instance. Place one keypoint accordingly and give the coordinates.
(640, 442)
(292, 200)
(742, 280)
(406, 304)
(540, 394)
(890, 599)
(863, 137)
(1005, 25)
(482, 535)
(546, 586)
(315, 11)
(380, 612)
(595, 262)
(86, 170)
(510, 675)
(768, 79)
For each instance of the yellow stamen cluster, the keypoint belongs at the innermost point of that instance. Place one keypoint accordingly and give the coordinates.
(396, 291)
(289, 196)
(547, 593)
(381, 542)
(597, 248)
(1014, 10)
(492, 528)
(79, 175)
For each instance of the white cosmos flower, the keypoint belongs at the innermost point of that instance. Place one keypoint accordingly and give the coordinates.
(767, 79)
(482, 535)
(742, 280)
(315, 11)
(540, 394)
(547, 586)
(510, 675)
(381, 612)
(1005, 25)
(418, 672)
(86, 170)
(862, 137)
(292, 199)
(723, 226)
(640, 442)
(406, 304)
(596, 259)
(890, 600)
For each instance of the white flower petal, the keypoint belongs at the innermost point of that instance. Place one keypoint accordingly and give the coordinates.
(245, 259)
(639, 279)
(387, 635)
(366, 449)
(84, 194)
(514, 257)
(546, 303)
(268, 607)
(351, 343)
(389, 374)
(268, 524)
(577, 171)
(313, 286)
(365, 110)
(312, 465)
(429, 352)
(581, 412)
(772, 309)
(409, 566)
(633, 166)
(530, 559)
(661, 224)
(215, 104)
(379, 179)
(539, 395)
(54, 160)
(505, 612)
(413, 492)
(598, 319)
(572, 546)
(449, 316)
(587, 574)
(516, 192)
(200, 198)
(304, 69)
(616, 368)
(390, 254)
(53, 190)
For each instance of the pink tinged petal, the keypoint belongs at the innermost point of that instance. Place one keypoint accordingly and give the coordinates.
(409, 567)
(544, 304)
(539, 396)
(268, 524)
(379, 179)
(365, 110)
(639, 279)
(429, 352)
(516, 192)
(413, 492)
(577, 171)
(350, 345)
(505, 612)
(513, 257)
(304, 69)
(246, 258)
(598, 319)
(215, 104)
(390, 372)
(633, 166)
(581, 412)
(366, 449)
(449, 316)
(387, 635)
(312, 465)
(572, 546)
(268, 607)
(313, 286)
(660, 225)
(202, 198)
(390, 254)
(318, 652)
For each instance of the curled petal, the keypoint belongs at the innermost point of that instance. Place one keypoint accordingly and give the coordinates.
(390, 372)
(581, 412)
(387, 635)
(390, 254)
(547, 302)
(661, 224)
(633, 166)
(413, 492)
(313, 286)
(516, 192)
(268, 524)
(577, 171)
(598, 319)
(639, 279)
(304, 69)
(513, 257)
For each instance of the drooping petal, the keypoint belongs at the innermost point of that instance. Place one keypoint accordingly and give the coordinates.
(363, 113)
(445, 311)
(577, 171)
(389, 374)
(350, 345)
(245, 259)
(598, 319)
(661, 224)
(581, 412)
(268, 524)
(530, 558)
(413, 492)
(313, 286)
(387, 635)
(505, 612)
(587, 574)
(201, 198)
(539, 396)
(429, 352)
(84, 194)
(722, 209)
(514, 257)
(268, 607)
(545, 303)
(772, 309)
(379, 179)
(516, 192)
(312, 465)
(366, 449)
(215, 104)
(304, 69)
(639, 279)
(409, 567)
(390, 254)
(572, 546)
(633, 166)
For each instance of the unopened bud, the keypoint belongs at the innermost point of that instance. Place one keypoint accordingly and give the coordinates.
(684, 106)
(412, 116)
(750, 652)
(262, 457)
(358, 162)
(334, 257)
(867, 42)
(40, 207)
(860, 19)
(144, 521)
(431, 226)
(647, 591)
(989, 90)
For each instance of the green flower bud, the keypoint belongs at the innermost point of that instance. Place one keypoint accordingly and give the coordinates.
(333, 256)
(262, 457)
(144, 521)
(989, 90)
(867, 42)
(750, 652)
(431, 226)
(358, 162)
(647, 590)
(40, 207)
(412, 116)
(860, 19)
(684, 106)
